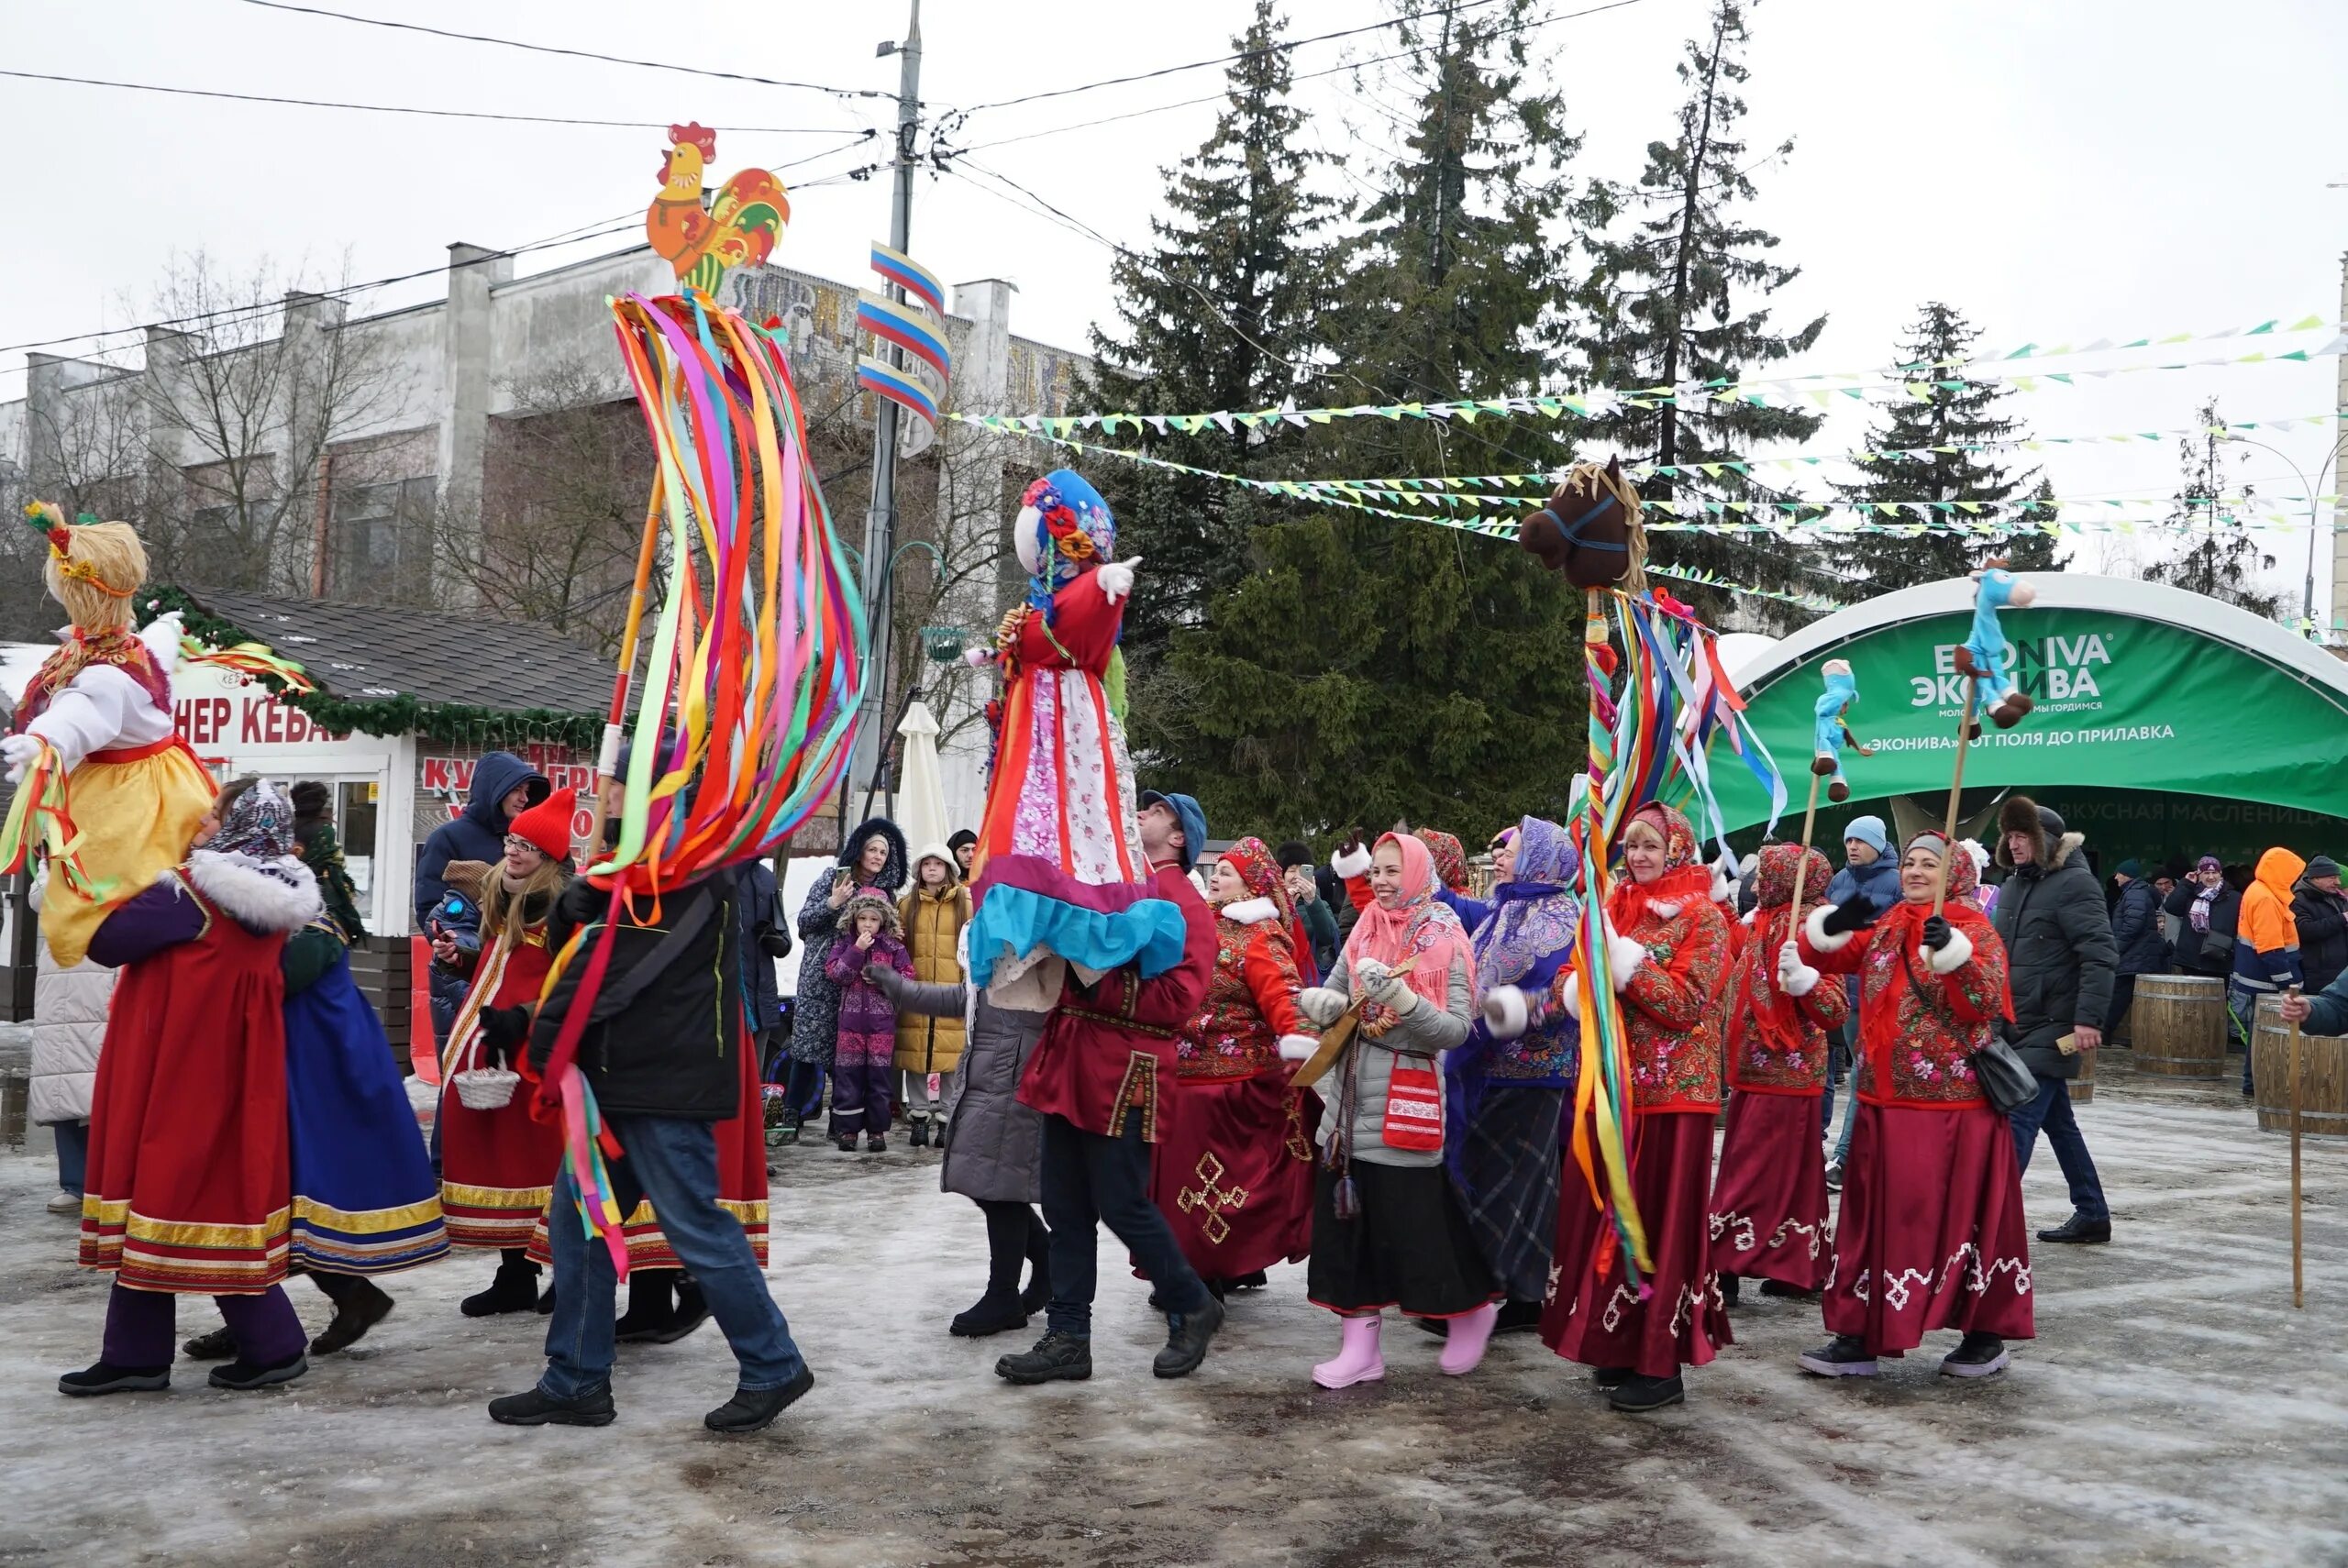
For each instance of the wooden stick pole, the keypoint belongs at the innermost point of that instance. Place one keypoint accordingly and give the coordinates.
(1956, 788)
(2299, 1269)
(646, 554)
(1801, 866)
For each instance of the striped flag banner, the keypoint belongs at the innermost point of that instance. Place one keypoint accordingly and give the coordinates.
(884, 380)
(911, 276)
(906, 328)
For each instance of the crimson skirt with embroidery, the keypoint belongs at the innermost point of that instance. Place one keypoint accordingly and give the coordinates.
(1674, 1317)
(1769, 1208)
(1932, 1233)
(1232, 1172)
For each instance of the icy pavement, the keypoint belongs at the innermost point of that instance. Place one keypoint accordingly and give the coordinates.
(2174, 1410)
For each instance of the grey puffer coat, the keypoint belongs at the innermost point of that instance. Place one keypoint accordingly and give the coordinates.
(815, 1011)
(994, 1144)
(1425, 1032)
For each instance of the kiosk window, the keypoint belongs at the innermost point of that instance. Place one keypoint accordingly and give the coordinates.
(358, 828)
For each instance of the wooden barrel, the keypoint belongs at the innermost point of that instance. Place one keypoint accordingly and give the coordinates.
(2324, 1077)
(2083, 1087)
(2179, 1023)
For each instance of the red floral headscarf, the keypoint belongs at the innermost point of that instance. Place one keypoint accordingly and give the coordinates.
(1774, 923)
(1450, 858)
(1682, 878)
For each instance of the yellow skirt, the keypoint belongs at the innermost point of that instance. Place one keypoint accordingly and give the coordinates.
(134, 820)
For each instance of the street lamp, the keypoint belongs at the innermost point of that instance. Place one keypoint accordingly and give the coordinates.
(2307, 609)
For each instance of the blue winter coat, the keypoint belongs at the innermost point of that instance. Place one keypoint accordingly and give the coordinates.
(2136, 929)
(766, 936)
(1879, 882)
(480, 833)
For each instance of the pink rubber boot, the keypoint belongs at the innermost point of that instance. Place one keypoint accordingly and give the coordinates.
(1462, 1346)
(1359, 1360)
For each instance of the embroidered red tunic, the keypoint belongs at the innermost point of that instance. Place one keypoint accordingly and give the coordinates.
(1669, 1003)
(1918, 1029)
(1775, 1044)
(1109, 1046)
(1250, 1003)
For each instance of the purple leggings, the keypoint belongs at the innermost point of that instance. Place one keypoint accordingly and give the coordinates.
(139, 1326)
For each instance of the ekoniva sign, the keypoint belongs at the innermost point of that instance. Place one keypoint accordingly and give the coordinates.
(2123, 703)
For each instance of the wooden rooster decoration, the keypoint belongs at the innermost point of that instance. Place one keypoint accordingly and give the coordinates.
(737, 228)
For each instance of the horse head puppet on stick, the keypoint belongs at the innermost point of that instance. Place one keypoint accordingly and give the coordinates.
(1590, 530)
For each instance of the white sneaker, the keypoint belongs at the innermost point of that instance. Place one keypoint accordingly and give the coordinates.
(65, 1203)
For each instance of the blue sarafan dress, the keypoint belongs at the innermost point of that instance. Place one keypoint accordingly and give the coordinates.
(365, 1199)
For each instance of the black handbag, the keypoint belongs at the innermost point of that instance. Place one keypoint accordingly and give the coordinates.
(2006, 1080)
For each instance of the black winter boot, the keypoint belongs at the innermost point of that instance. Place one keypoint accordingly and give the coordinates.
(690, 1314)
(359, 1305)
(1058, 1357)
(105, 1377)
(533, 1408)
(754, 1409)
(651, 1305)
(920, 1134)
(516, 1289)
(246, 1375)
(1186, 1334)
(991, 1314)
(218, 1345)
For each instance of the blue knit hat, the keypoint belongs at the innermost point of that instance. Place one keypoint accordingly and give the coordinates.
(1870, 831)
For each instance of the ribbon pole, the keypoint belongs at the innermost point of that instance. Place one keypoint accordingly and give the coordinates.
(1801, 866)
(2299, 1267)
(1955, 788)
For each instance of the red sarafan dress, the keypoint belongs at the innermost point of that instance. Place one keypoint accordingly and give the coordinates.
(1932, 1233)
(497, 1167)
(1233, 1166)
(1770, 1214)
(190, 1185)
(1674, 1317)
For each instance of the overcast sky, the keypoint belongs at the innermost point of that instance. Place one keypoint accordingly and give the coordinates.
(2061, 170)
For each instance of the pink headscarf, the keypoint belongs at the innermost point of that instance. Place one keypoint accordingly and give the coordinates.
(1420, 926)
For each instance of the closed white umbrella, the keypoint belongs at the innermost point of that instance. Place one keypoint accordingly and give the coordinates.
(921, 786)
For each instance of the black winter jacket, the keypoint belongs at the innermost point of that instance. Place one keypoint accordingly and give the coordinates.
(2136, 929)
(2323, 920)
(2060, 954)
(671, 1043)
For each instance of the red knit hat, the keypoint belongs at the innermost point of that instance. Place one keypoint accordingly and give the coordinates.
(548, 823)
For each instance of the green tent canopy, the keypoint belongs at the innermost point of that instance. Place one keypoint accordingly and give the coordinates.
(2178, 719)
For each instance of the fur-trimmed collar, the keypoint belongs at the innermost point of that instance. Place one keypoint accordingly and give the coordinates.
(1250, 911)
(1667, 908)
(264, 896)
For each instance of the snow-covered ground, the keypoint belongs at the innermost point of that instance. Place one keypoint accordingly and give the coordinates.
(2174, 1410)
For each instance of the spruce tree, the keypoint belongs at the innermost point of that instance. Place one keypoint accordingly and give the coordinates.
(2217, 556)
(1678, 299)
(1376, 669)
(1923, 445)
(1220, 315)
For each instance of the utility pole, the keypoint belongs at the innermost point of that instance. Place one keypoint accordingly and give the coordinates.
(880, 520)
(2339, 510)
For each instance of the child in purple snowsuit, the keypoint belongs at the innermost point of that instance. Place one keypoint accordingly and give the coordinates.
(866, 1056)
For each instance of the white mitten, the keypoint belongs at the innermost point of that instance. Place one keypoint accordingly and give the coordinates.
(1795, 978)
(1391, 991)
(17, 752)
(1370, 976)
(1623, 956)
(1321, 1004)
(1505, 1015)
(1117, 579)
(1953, 957)
(1297, 1047)
(1570, 998)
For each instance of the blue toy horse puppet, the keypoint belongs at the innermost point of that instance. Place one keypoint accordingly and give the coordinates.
(1833, 729)
(1983, 655)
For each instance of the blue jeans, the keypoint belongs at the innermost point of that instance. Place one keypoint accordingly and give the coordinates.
(2051, 1110)
(1089, 1180)
(674, 1163)
(72, 1156)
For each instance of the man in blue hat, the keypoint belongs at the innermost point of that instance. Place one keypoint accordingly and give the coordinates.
(1107, 1055)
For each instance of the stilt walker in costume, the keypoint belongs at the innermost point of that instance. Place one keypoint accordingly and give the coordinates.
(1386, 1227)
(497, 1162)
(1232, 1169)
(190, 1187)
(1932, 1233)
(1075, 917)
(1668, 959)
(1509, 1083)
(1769, 1208)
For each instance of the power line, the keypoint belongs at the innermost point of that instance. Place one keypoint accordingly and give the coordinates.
(573, 53)
(1306, 76)
(596, 230)
(399, 108)
(1281, 47)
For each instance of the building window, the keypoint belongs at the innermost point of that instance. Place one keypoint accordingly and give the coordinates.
(381, 549)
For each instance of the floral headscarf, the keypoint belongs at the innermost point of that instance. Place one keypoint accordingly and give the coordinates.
(1262, 875)
(1682, 877)
(258, 832)
(1535, 913)
(1421, 926)
(1064, 530)
(1450, 858)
